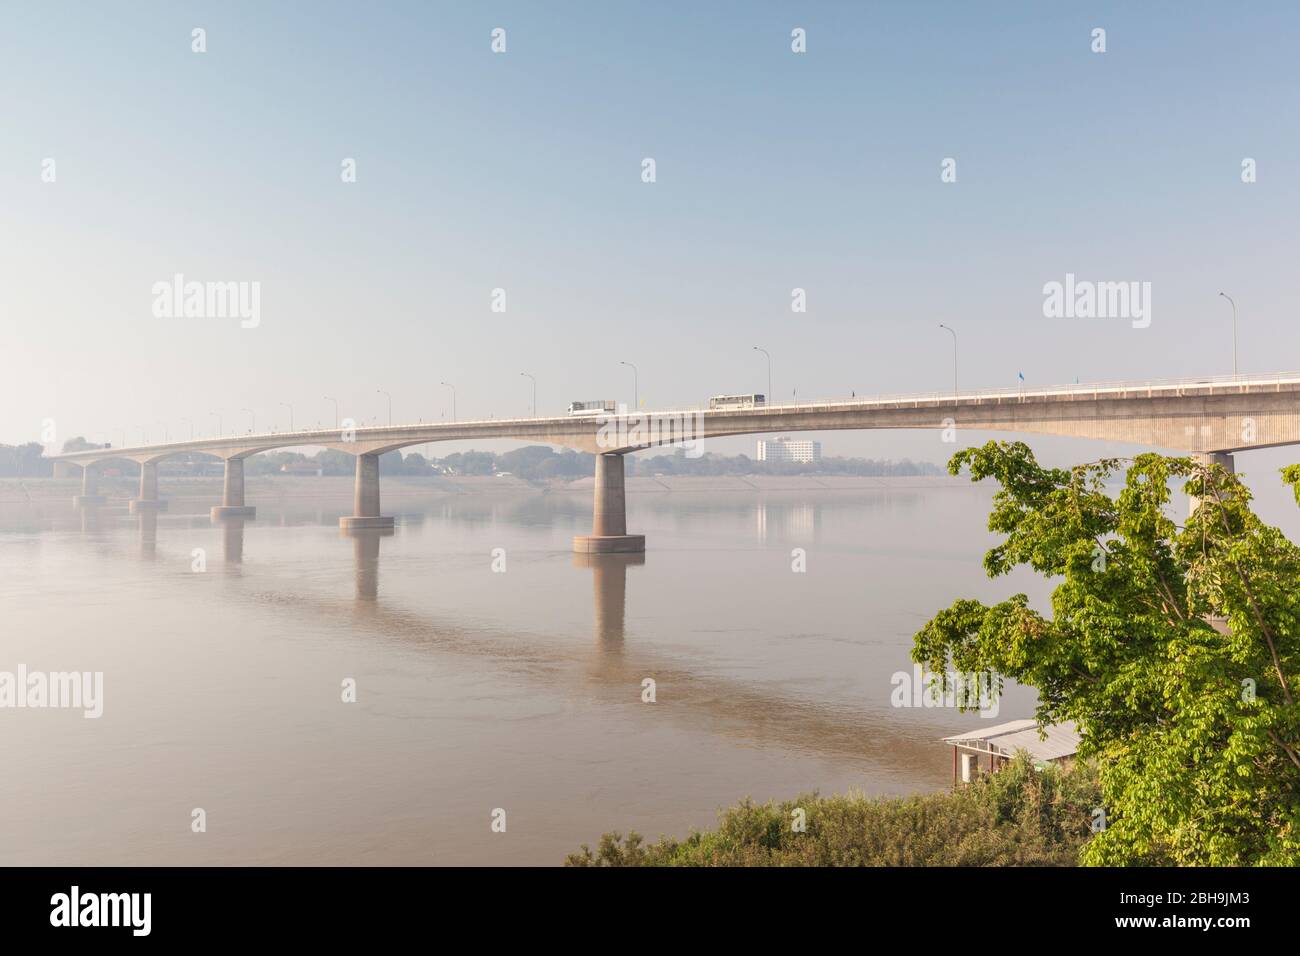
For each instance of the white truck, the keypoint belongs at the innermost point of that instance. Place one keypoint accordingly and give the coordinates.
(600, 407)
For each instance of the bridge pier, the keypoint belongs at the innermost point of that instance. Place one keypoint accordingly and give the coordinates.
(232, 493)
(89, 490)
(148, 499)
(609, 512)
(1210, 458)
(365, 502)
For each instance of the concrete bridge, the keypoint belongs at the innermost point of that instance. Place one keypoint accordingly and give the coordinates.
(1208, 417)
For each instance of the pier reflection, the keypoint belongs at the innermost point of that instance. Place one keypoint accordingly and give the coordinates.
(232, 539)
(609, 594)
(148, 534)
(365, 558)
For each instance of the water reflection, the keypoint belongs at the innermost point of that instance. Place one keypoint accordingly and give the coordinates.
(232, 539)
(799, 522)
(365, 558)
(609, 592)
(768, 683)
(91, 516)
(148, 534)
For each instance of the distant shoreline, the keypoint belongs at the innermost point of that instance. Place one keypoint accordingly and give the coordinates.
(268, 488)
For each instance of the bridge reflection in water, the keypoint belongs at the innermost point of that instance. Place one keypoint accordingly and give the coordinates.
(365, 557)
(609, 593)
(606, 667)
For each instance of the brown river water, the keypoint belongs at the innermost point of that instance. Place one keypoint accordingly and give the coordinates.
(485, 679)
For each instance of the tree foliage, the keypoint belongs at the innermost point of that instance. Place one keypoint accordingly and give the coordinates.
(1016, 817)
(1175, 648)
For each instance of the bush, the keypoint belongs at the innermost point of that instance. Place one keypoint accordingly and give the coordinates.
(1019, 816)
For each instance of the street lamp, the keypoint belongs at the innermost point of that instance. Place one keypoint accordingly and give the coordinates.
(166, 436)
(191, 424)
(220, 428)
(526, 375)
(636, 385)
(954, 359)
(1234, 333)
(453, 399)
(252, 420)
(770, 396)
(336, 409)
(290, 407)
(380, 391)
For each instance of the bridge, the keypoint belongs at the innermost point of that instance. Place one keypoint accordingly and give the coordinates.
(1207, 417)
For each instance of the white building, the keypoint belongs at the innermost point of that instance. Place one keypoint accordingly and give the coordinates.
(786, 449)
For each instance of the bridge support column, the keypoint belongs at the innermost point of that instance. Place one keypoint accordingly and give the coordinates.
(1210, 458)
(89, 492)
(232, 493)
(365, 504)
(609, 512)
(148, 499)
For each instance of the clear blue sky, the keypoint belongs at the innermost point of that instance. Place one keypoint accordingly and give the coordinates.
(522, 171)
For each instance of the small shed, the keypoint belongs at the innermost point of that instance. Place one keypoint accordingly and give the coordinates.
(1057, 743)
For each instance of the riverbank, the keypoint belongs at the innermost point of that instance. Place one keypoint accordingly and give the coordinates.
(276, 487)
(1019, 816)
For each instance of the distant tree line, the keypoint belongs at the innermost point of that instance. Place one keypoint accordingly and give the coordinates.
(709, 464)
(531, 463)
(24, 461)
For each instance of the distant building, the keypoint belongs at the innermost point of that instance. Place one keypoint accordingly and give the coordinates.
(786, 449)
(1054, 743)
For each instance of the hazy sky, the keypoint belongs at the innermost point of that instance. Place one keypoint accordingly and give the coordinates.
(522, 171)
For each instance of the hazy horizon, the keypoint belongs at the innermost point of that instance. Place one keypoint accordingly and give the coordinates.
(521, 171)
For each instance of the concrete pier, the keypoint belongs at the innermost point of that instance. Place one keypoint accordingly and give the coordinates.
(232, 493)
(1223, 459)
(365, 503)
(148, 499)
(609, 512)
(89, 491)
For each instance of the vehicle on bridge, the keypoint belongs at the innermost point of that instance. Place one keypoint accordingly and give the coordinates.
(736, 401)
(602, 407)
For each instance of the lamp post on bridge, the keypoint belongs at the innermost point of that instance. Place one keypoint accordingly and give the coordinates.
(954, 359)
(336, 409)
(252, 420)
(770, 396)
(453, 399)
(526, 375)
(166, 436)
(380, 391)
(190, 421)
(220, 428)
(636, 385)
(1234, 332)
(290, 407)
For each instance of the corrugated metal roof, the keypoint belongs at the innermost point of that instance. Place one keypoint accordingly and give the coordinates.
(1061, 740)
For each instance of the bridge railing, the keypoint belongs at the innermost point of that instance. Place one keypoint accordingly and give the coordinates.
(1251, 382)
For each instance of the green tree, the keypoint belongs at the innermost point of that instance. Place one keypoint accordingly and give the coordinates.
(1176, 649)
(79, 443)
